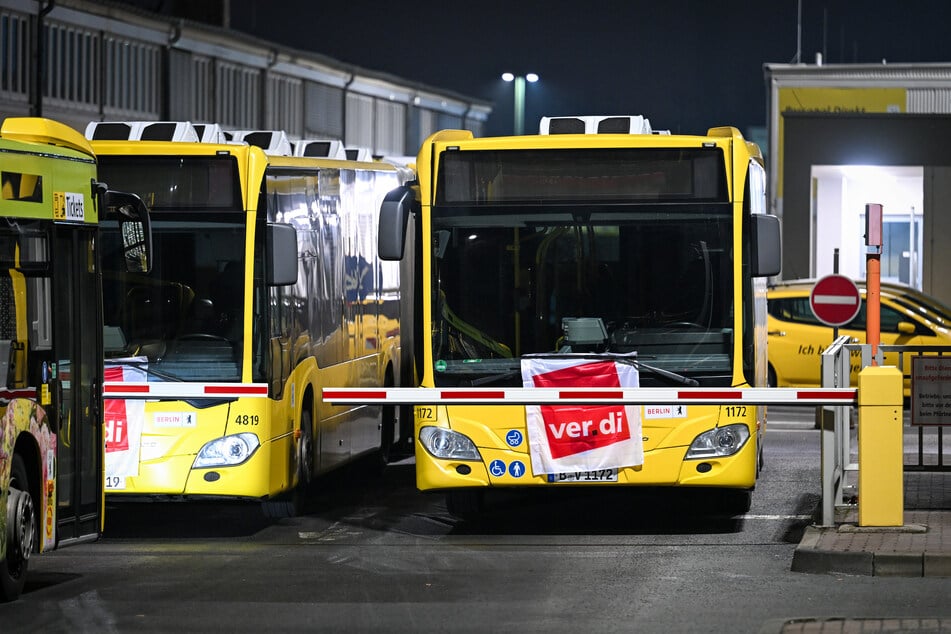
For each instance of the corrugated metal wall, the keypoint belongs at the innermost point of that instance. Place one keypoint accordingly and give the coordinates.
(929, 100)
(117, 65)
(323, 111)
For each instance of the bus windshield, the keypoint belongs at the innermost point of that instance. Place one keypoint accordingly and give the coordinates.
(658, 274)
(184, 320)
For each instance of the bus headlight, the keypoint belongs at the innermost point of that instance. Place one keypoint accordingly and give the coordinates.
(227, 451)
(722, 441)
(448, 444)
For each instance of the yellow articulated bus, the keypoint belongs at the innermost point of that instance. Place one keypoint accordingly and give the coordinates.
(583, 259)
(51, 443)
(265, 286)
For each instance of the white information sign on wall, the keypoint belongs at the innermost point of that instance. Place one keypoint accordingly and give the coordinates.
(931, 391)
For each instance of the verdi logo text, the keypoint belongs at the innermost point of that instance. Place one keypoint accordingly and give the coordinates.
(572, 430)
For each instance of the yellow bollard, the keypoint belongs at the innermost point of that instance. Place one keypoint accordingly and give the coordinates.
(881, 448)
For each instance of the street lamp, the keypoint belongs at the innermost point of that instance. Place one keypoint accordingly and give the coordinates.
(520, 97)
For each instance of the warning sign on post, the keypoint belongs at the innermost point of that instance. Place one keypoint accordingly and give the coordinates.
(931, 391)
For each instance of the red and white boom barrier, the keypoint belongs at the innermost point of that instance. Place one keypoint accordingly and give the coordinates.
(590, 396)
(175, 390)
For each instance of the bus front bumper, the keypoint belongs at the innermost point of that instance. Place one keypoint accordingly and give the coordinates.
(661, 467)
(177, 477)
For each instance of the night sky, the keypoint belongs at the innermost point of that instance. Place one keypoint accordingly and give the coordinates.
(685, 64)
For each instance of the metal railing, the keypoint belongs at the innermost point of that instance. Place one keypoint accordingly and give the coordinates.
(838, 470)
(921, 464)
(833, 422)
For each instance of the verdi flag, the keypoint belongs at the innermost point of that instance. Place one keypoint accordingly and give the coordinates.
(124, 420)
(565, 438)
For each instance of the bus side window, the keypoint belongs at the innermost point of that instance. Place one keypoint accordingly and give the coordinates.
(22, 187)
(4, 361)
(7, 327)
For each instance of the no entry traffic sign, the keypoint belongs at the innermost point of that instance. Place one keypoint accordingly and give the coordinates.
(835, 300)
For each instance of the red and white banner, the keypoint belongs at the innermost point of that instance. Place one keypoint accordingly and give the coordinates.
(124, 421)
(566, 438)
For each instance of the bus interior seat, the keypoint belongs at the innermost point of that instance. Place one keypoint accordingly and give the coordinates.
(155, 312)
(201, 317)
(226, 293)
(113, 339)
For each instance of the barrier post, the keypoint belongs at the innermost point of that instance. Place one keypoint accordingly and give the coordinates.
(873, 268)
(881, 449)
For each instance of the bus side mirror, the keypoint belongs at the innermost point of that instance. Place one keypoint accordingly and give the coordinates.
(282, 254)
(134, 227)
(394, 218)
(767, 247)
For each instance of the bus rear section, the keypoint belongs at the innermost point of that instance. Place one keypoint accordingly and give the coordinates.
(589, 260)
(265, 287)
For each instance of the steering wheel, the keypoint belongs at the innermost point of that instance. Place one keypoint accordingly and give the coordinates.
(685, 324)
(202, 336)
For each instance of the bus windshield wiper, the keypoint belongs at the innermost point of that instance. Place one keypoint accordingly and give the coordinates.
(492, 378)
(673, 377)
(667, 374)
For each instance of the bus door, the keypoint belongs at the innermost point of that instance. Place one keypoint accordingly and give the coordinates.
(76, 381)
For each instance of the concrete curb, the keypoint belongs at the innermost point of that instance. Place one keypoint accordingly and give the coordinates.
(809, 557)
(869, 551)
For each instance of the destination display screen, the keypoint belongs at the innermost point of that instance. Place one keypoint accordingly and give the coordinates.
(598, 175)
(176, 183)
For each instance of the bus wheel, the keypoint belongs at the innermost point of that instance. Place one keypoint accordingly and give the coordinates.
(21, 532)
(736, 501)
(466, 504)
(387, 428)
(292, 504)
(305, 453)
(761, 458)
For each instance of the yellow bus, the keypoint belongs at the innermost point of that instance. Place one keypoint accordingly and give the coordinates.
(51, 478)
(265, 286)
(595, 254)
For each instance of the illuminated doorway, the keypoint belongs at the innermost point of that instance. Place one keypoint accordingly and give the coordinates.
(838, 198)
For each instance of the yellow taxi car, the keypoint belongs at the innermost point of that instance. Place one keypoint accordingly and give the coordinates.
(797, 338)
(918, 302)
